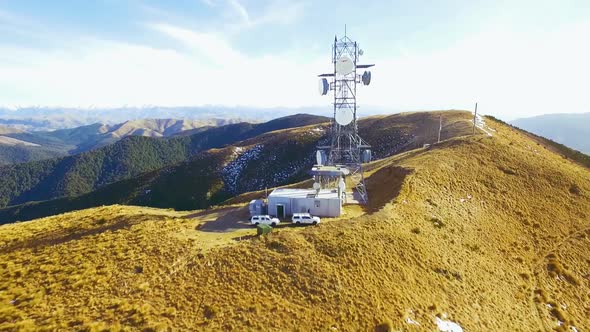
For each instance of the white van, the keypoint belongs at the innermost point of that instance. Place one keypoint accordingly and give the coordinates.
(305, 218)
(264, 219)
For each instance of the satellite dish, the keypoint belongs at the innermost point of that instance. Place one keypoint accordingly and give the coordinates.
(344, 65)
(366, 77)
(317, 186)
(366, 156)
(344, 116)
(324, 86)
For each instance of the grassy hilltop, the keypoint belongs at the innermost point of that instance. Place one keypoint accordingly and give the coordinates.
(492, 233)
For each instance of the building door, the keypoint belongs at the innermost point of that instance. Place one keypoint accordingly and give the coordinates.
(280, 211)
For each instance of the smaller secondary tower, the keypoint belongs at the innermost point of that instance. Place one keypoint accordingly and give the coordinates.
(347, 150)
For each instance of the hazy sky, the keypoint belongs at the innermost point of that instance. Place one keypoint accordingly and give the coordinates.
(516, 58)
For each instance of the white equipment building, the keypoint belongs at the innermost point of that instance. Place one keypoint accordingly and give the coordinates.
(283, 202)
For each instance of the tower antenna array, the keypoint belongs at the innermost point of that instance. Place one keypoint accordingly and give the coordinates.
(347, 149)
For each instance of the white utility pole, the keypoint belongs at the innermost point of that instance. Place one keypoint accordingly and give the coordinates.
(474, 118)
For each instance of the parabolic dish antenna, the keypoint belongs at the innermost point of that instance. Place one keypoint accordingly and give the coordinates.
(366, 78)
(324, 86)
(344, 65)
(320, 157)
(317, 186)
(344, 116)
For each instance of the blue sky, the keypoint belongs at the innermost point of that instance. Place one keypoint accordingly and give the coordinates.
(516, 58)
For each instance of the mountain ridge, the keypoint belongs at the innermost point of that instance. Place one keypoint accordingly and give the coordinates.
(41, 145)
(570, 129)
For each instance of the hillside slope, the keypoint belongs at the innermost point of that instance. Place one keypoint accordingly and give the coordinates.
(9, 130)
(264, 161)
(489, 233)
(22, 153)
(134, 155)
(15, 150)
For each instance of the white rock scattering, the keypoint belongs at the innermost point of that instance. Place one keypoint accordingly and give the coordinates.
(447, 325)
(231, 172)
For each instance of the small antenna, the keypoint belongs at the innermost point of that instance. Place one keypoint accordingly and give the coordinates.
(439, 127)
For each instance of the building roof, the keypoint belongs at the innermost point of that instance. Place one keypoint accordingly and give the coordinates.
(304, 193)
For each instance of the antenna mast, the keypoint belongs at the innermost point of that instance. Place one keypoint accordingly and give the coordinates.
(474, 118)
(347, 149)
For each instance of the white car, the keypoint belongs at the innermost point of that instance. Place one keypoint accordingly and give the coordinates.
(305, 218)
(264, 219)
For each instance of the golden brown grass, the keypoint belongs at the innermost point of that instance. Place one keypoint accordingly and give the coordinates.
(493, 232)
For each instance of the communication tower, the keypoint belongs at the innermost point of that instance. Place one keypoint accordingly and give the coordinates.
(347, 150)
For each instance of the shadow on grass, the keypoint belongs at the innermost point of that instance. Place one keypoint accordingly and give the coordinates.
(53, 238)
(206, 212)
(228, 220)
(384, 186)
(244, 237)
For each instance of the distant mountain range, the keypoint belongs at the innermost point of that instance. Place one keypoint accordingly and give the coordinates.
(48, 118)
(18, 146)
(572, 130)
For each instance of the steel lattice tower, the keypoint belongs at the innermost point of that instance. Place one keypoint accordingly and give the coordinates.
(346, 146)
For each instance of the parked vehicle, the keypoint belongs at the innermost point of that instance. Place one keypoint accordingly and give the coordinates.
(264, 219)
(305, 218)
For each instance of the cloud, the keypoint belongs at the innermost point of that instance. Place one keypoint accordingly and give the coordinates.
(18, 24)
(241, 11)
(274, 12)
(211, 46)
(210, 3)
(510, 73)
(282, 12)
(107, 73)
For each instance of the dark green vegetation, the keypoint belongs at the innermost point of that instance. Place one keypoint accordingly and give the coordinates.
(76, 175)
(11, 154)
(267, 160)
(208, 178)
(565, 151)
